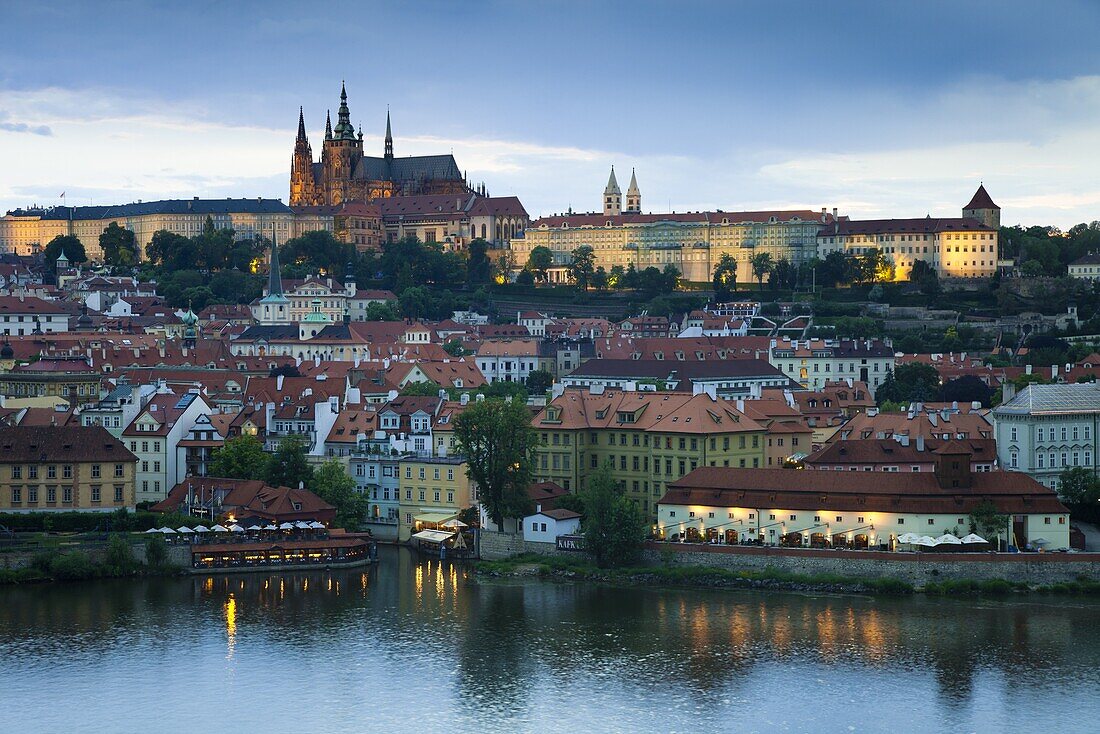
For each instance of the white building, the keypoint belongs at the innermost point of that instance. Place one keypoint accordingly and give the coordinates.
(25, 315)
(1046, 429)
(546, 525)
(1085, 268)
(813, 362)
(154, 437)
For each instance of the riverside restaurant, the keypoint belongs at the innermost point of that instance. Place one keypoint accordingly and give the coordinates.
(282, 554)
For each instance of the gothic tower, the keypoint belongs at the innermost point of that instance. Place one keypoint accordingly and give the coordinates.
(343, 150)
(982, 208)
(302, 185)
(633, 196)
(612, 197)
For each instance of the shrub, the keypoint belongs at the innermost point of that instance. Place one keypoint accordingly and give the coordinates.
(119, 558)
(72, 566)
(156, 552)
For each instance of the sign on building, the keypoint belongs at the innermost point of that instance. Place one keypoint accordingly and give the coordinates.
(570, 542)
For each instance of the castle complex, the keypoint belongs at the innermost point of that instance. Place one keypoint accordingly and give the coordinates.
(344, 173)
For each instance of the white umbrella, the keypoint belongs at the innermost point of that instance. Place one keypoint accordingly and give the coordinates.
(948, 539)
(925, 540)
(454, 523)
(167, 530)
(254, 528)
(908, 538)
(184, 530)
(219, 529)
(317, 525)
(1040, 541)
(153, 530)
(270, 526)
(972, 538)
(236, 528)
(201, 529)
(302, 524)
(286, 526)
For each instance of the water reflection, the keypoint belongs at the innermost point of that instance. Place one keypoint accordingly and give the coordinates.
(419, 636)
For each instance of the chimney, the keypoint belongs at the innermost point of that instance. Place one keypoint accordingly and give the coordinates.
(834, 214)
(279, 382)
(1008, 391)
(1027, 369)
(920, 443)
(464, 399)
(1054, 372)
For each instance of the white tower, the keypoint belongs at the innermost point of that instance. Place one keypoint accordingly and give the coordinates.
(633, 196)
(612, 197)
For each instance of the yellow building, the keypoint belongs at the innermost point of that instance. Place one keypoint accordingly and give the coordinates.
(692, 242)
(431, 491)
(960, 247)
(647, 439)
(28, 231)
(64, 468)
(71, 378)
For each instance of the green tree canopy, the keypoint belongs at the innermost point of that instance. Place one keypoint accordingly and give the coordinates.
(913, 382)
(761, 264)
(539, 381)
(119, 246)
(582, 266)
(70, 245)
(987, 521)
(288, 466)
(539, 262)
(318, 252)
(498, 442)
(242, 457)
(478, 267)
(725, 278)
(332, 484)
(967, 389)
(613, 527)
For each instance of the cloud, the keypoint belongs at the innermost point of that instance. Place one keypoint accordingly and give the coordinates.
(22, 127)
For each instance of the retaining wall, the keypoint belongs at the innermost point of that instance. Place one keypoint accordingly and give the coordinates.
(1038, 569)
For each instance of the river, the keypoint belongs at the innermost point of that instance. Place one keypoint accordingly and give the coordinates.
(414, 646)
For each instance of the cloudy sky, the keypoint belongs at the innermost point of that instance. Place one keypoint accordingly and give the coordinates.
(879, 109)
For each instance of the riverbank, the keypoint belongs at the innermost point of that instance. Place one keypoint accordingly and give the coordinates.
(116, 559)
(568, 569)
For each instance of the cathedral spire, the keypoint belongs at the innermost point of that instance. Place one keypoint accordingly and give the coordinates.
(344, 129)
(633, 195)
(328, 125)
(301, 124)
(389, 137)
(274, 273)
(612, 196)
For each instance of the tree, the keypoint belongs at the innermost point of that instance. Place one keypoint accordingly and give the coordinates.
(613, 527)
(498, 442)
(761, 264)
(332, 484)
(242, 457)
(381, 311)
(70, 245)
(478, 267)
(317, 252)
(967, 389)
(119, 246)
(925, 276)
(539, 381)
(454, 348)
(987, 521)
(874, 266)
(725, 278)
(288, 466)
(615, 277)
(1079, 488)
(415, 302)
(427, 389)
(539, 262)
(582, 266)
(913, 382)
(836, 268)
(599, 279)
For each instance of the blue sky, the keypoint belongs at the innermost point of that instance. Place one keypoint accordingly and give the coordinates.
(879, 109)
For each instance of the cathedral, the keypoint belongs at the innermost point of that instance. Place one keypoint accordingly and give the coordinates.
(345, 174)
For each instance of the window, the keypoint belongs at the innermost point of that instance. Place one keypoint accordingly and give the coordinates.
(96, 472)
(118, 493)
(95, 493)
(17, 472)
(931, 521)
(16, 495)
(901, 520)
(67, 495)
(51, 471)
(839, 518)
(32, 472)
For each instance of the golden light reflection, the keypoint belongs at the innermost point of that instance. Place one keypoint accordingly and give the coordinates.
(419, 582)
(230, 625)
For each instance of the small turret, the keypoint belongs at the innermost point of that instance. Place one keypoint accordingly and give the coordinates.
(328, 125)
(982, 208)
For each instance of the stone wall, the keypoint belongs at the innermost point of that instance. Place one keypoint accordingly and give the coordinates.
(178, 555)
(495, 546)
(916, 568)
